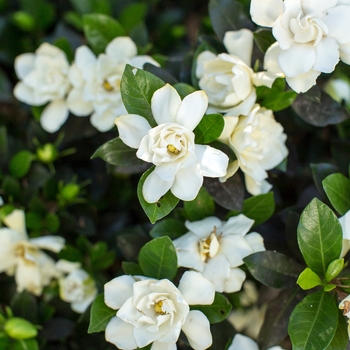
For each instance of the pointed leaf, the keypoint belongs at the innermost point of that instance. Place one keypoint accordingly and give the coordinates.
(334, 269)
(172, 228)
(209, 128)
(100, 315)
(21, 163)
(309, 279)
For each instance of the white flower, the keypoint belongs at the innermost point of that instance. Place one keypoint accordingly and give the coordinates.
(345, 224)
(76, 285)
(339, 90)
(312, 35)
(241, 342)
(44, 79)
(228, 79)
(22, 257)
(96, 81)
(180, 163)
(345, 306)
(258, 142)
(155, 311)
(216, 248)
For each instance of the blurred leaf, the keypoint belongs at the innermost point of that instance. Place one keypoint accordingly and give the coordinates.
(3, 144)
(132, 15)
(100, 257)
(100, 30)
(25, 344)
(82, 6)
(156, 211)
(320, 172)
(11, 186)
(158, 258)
(20, 328)
(52, 222)
(341, 337)
(116, 152)
(337, 188)
(184, 89)
(273, 269)
(71, 253)
(263, 39)
(308, 279)
(334, 269)
(172, 228)
(25, 305)
(57, 329)
(64, 45)
(313, 323)
(131, 268)
(137, 88)
(202, 206)
(209, 128)
(100, 315)
(320, 236)
(217, 311)
(20, 163)
(42, 11)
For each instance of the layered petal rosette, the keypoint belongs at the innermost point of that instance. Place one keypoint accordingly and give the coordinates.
(228, 79)
(258, 142)
(216, 248)
(44, 80)
(156, 311)
(23, 257)
(96, 81)
(311, 36)
(180, 164)
(241, 342)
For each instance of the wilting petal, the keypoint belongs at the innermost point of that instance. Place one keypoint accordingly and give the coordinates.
(54, 115)
(120, 334)
(303, 82)
(118, 290)
(327, 52)
(213, 163)
(132, 128)
(235, 280)
(197, 330)
(165, 103)
(52, 243)
(154, 187)
(24, 64)
(196, 289)
(121, 48)
(242, 342)
(265, 12)
(17, 222)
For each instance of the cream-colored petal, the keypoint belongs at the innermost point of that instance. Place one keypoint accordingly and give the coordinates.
(118, 290)
(17, 222)
(121, 48)
(265, 12)
(154, 187)
(120, 334)
(54, 115)
(212, 162)
(52, 243)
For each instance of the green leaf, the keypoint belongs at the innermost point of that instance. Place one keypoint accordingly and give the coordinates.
(320, 171)
(25, 344)
(116, 152)
(63, 44)
(202, 206)
(209, 128)
(217, 311)
(158, 258)
(341, 337)
(158, 210)
(329, 287)
(100, 315)
(309, 279)
(313, 322)
(21, 163)
(184, 89)
(131, 268)
(319, 236)
(172, 228)
(337, 188)
(273, 269)
(264, 39)
(132, 15)
(19, 328)
(3, 144)
(137, 88)
(100, 30)
(334, 269)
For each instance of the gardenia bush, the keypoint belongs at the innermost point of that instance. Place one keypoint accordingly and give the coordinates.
(174, 175)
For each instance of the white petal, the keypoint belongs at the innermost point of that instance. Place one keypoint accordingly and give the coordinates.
(213, 163)
(235, 280)
(165, 103)
(17, 222)
(254, 187)
(187, 251)
(197, 330)
(120, 334)
(52, 243)
(237, 225)
(240, 44)
(121, 48)
(26, 94)
(345, 53)
(241, 342)
(282, 34)
(77, 104)
(28, 277)
(67, 266)
(118, 290)
(230, 124)
(255, 241)
(271, 60)
(244, 107)
(203, 228)
(104, 121)
(196, 289)
(265, 12)
(327, 52)
(54, 115)
(337, 21)
(139, 61)
(84, 56)
(192, 109)
(154, 187)
(217, 270)
(157, 345)
(235, 248)
(345, 224)
(231, 170)
(132, 128)
(317, 6)
(24, 64)
(303, 82)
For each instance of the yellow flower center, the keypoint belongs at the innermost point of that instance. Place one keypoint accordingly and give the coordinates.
(111, 87)
(209, 246)
(158, 307)
(346, 307)
(172, 149)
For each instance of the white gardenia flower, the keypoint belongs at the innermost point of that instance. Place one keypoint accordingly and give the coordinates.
(180, 163)
(22, 257)
(312, 35)
(156, 311)
(228, 79)
(345, 306)
(96, 81)
(258, 142)
(44, 79)
(345, 224)
(216, 248)
(241, 342)
(76, 286)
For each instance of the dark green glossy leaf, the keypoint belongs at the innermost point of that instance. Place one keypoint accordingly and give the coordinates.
(137, 88)
(158, 258)
(313, 323)
(319, 236)
(100, 315)
(209, 128)
(202, 206)
(172, 228)
(337, 188)
(320, 171)
(217, 311)
(273, 269)
(21, 163)
(156, 211)
(341, 337)
(264, 39)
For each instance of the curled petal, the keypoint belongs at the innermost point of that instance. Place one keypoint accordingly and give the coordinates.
(120, 334)
(26, 94)
(213, 163)
(54, 115)
(52, 243)
(265, 12)
(240, 44)
(154, 187)
(118, 290)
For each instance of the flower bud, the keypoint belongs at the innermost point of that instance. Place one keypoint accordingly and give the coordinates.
(19, 328)
(70, 191)
(47, 153)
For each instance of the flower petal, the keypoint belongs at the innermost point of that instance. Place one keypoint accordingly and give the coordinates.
(303, 82)
(132, 128)
(237, 225)
(327, 52)
(203, 228)
(345, 53)
(196, 289)
(244, 107)
(240, 44)
(120, 334)
(192, 109)
(265, 12)
(213, 163)
(255, 241)
(16, 221)
(54, 115)
(165, 103)
(26, 94)
(337, 21)
(157, 345)
(24, 64)
(271, 60)
(345, 224)
(154, 187)
(197, 330)
(121, 48)
(139, 61)
(52, 243)
(77, 104)
(235, 248)
(240, 342)
(217, 271)
(118, 290)
(28, 277)
(235, 280)
(84, 56)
